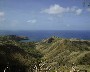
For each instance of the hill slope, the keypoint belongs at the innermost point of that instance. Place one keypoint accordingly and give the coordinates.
(52, 54)
(18, 56)
(61, 53)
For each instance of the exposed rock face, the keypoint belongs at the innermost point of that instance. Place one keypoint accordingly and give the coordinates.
(50, 40)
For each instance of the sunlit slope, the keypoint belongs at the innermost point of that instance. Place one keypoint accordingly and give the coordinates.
(64, 52)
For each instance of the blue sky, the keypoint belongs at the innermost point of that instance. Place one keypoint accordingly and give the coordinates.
(44, 15)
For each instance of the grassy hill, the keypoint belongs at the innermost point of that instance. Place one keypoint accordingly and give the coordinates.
(18, 56)
(61, 53)
(51, 55)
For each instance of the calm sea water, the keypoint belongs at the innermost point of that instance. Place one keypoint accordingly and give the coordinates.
(42, 34)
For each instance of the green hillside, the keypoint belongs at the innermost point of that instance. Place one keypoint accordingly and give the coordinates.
(50, 55)
(61, 53)
(18, 56)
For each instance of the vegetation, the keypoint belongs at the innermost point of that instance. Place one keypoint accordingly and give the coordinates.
(19, 56)
(51, 55)
(61, 53)
(13, 37)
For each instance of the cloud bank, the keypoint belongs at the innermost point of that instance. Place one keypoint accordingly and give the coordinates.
(57, 9)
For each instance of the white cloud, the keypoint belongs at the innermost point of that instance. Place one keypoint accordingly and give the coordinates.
(78, 11)
(1, 14)
(57, 9)
(88, 9)
(32, 21)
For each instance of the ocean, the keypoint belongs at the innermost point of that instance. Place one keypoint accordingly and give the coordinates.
(38, 35)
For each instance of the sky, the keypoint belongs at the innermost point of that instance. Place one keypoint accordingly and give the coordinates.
(44, 14)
